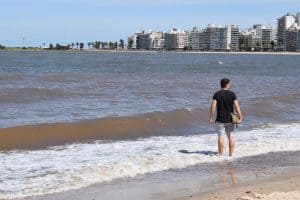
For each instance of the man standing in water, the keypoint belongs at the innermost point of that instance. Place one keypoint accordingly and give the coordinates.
(225, 102)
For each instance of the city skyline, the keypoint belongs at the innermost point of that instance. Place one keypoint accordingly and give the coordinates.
(33, 23)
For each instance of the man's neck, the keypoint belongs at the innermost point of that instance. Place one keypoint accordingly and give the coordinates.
(225, 88)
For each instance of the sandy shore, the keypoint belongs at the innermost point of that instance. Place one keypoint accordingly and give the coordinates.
(285, 187)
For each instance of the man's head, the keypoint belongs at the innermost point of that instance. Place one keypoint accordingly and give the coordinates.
(225, 83)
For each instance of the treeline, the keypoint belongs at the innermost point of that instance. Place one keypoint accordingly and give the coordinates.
(90, 45)
(2, 47)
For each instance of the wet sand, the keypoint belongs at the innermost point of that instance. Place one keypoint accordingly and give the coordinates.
(233, 179)
(277, 188)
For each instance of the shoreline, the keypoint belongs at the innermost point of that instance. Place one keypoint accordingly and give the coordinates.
(262, 174)
(158, 51)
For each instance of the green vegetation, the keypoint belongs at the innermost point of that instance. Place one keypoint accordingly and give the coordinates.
(96, 45)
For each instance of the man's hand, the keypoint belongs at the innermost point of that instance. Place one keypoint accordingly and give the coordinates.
(211, 122)
(238, 110)
(240, 120)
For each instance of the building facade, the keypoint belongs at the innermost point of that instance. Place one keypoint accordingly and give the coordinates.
(283, 24)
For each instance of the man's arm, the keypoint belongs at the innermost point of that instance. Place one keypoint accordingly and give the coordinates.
(212, 110)
(238, 110)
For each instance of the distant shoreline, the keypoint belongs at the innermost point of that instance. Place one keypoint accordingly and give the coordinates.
(154, 51)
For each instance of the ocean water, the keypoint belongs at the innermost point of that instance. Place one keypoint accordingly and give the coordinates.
(72, 119)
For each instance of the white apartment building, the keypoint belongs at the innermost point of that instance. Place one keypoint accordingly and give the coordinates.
(283, 24)
(219, 38)
(182, 39)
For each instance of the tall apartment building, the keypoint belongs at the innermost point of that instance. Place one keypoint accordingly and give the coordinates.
(298, 18)
(196, 39)
(182, 40)
(293, 39)
(143, 41)
(176, 39)
(234, 46)
(283, 24)
(218, 38)
(266, 38)
(170, 41)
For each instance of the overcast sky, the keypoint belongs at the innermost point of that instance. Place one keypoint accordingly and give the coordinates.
(66, 21)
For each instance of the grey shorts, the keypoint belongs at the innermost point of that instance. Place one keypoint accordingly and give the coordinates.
(222, 128)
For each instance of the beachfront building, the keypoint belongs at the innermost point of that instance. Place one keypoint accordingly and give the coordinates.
(285, 23)
(217, 38)
(159, 43)
(253, 42)
(157, 40)
(196, 39)
(182, 40)
(171, 40)
(293, 39)
(147, 40)
(266, 38)
(132, 41)
(176, 39)
(234, 46)
(143, 41)
(242, 41)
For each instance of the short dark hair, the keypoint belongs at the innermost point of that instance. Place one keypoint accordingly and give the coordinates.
(224, 82)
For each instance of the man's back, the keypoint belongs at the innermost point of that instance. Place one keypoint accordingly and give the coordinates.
(225, 100)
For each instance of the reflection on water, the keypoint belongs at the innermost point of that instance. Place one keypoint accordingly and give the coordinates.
(227, 173)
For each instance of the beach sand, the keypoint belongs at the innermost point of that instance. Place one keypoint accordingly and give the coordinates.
(286, 187)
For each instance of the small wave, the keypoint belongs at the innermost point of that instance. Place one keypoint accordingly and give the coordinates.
(75, 166)
(29, 94)
(150, 124)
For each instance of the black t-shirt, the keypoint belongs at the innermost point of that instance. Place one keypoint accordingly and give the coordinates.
(225, 99)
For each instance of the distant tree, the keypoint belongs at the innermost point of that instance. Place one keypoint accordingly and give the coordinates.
(77, 45)
(51, 47)
(57, 46)
(89, 45)
(110, 45)
(2, 47)
(97, 44)
(121, 44)
(115, 45)
(103, 45)
(72, 45)
(272, 45)
(81, 45)
(257, 46)
(130, 44)
(93, 45)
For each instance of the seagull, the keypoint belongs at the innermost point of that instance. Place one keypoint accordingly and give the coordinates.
(221, 63)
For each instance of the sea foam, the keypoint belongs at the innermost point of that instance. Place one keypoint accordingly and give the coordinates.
(62, 168)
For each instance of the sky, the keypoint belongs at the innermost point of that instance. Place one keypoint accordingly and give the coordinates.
(34, 22)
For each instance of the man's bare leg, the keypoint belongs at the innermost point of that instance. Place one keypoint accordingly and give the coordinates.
(231, 144)
(221, 145)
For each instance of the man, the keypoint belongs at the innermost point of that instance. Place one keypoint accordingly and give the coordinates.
(225, 102)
